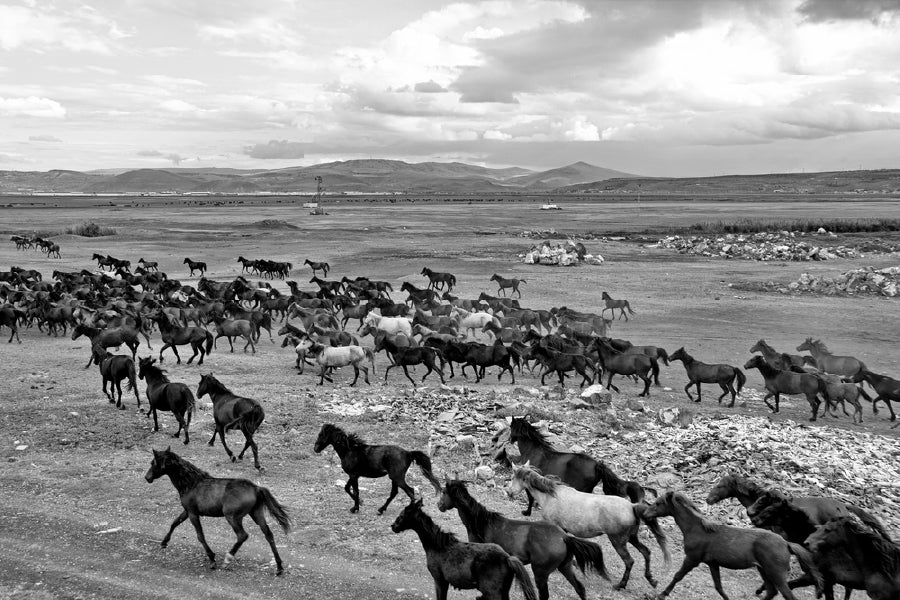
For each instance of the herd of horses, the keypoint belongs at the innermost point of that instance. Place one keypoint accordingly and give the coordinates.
(36, 242)
(835, 542)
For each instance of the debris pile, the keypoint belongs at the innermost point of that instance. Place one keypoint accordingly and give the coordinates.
(563, 255)
(866, 280)
(764, 246)
(671, 449)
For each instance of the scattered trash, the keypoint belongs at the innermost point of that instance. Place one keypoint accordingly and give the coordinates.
(865, 280)
(764, 246)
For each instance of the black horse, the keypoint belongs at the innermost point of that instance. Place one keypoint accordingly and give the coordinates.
(165, 395)
(575, 469)
(439, 281)
(195, 266)
(203, 495)
(359, 459)
(231, 411)
(541, 543)
(464, 565)
(113, 369)
(699, 372)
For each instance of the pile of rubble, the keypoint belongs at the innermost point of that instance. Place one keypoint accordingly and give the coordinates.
(784, 245)
(866, 280)
(562, 255)
(670, 449)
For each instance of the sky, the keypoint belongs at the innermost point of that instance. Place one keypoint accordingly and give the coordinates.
(651, 87)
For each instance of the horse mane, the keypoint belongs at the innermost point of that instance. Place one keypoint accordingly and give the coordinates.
(215, 383)
(707, 525)
(532, 477)
(819, 344)
(530, 433)
(186, 471)
(352, 440)
(482, 516)
(437, 537)
(882, 554)
(157, 371)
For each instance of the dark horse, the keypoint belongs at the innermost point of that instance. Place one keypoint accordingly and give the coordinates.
(819, 508)
(359, 459)
(174, 335)
(113, 369)
(203, 495)
(165, 395)
(575, 469)
(504, 284)
(788, 382)
(730, 547)
(887, 389)
(318, 266)
(722, 374)
(623, 363)
(108, 338)
(875, 558)
(464, 565)
(439, 281)
(779, 514)
(195, 265)
(231, 411)
(541, 543)
(405, 356)
(612, 305)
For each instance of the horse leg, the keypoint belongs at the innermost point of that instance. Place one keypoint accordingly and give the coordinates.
(250, 443)
(213, 438)
(405, 370)
(635, 541)
(390, 497)
(119, 404)
(259, 517)
(178, 521)
(352, 488)
(440, 589)
(766, 400)
(725, 390)
(224, 445)
(195, 521)
(567, 570)
(814, 405)
(609, 384)
(238, 527)
(182, 424)
(717, 579)
(686, 567)
(686, 388)
(356, 375)
(155, 421)
(178, 356)
(108, 394)
(699, 398)
(646, 391)
(527, 511)
(618, 543)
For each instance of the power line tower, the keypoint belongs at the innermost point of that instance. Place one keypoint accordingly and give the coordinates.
(319, 208)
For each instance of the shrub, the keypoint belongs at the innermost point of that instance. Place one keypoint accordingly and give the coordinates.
(91, 230)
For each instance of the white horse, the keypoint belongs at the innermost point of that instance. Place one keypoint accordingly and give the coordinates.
(328, 358)
(588, 515)
(475, 320)
(390, 324)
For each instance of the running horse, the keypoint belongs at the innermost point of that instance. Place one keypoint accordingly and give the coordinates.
(507, 284)
(439, 281)
(195, 266)
(612, 305)
(845, 366)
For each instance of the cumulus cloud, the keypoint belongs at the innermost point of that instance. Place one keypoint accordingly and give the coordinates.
(43, 138)
(274, 149)
(429, 87)
(837, 10)
(175, 159)
(32, 106)
(38, 26)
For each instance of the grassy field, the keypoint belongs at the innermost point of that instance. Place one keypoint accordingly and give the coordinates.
(82, 470)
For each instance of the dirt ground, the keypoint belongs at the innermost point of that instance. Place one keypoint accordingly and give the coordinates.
(80, 521)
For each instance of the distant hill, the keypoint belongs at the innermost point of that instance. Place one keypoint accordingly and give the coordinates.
(394, 176)
(829, 182)
(580, 172)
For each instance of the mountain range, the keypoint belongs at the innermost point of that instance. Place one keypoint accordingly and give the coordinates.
(353, 176)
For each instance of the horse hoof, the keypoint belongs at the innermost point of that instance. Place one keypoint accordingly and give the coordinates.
(354, 510)
(233, 459)
(186, 442)
(279, 570)
(619, 586)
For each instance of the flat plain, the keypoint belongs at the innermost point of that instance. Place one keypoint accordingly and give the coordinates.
(82, 471)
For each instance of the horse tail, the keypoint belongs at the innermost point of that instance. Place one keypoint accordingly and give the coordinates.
(522, 576)
(628, 306)
(863, 393)
(653, 524)
(663, 355)
(804, 557)
(209, 342)
(741, 378)
(586, 554)
(870, 520)
(424, 462)
(265, 497)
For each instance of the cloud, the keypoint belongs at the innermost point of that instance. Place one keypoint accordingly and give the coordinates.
(175, 159)
(818, 11)
(274, 149)
(32, 106)
(429, 87)
(38, 27)
(43, 138)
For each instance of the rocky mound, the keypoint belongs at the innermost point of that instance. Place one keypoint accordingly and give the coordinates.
(765, 246)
